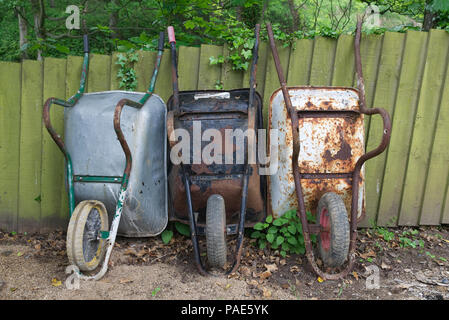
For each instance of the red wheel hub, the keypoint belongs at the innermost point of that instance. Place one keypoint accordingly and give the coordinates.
(325, 236)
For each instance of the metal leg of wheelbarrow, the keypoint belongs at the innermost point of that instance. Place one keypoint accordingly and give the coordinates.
(193, 227)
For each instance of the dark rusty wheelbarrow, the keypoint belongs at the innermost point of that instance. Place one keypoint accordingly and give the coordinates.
(322, 161)
(216, 198)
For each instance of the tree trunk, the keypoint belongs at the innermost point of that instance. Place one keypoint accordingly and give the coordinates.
(294, 14)
(23, 31)
(39, 22)
(113, 21)
(429, 17)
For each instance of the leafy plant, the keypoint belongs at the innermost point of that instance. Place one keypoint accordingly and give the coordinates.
(167, 235)
(126, 73)
(284, 233)
(155, 291)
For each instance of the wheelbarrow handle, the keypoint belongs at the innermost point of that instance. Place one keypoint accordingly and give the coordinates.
(160, 46)
(171, 34)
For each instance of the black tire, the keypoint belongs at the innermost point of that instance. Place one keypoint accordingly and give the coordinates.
(85, 248)
(216, 231)
(333, 246)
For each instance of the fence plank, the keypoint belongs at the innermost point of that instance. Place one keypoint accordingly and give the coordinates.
(385, 96)
(271, 76)
(10, 84)
(300, 63)
(164, 84)
(344, 66)
(114, 81)
(445, 213)
(264, 52)
(231, 79)
(322, 61)
(52, 174)
(438, 169)
(423, 128)
(29, 208)
(144, 69)
(208, 74)
(370, 49)
(99, 76)
(402, 126)
(188, 72)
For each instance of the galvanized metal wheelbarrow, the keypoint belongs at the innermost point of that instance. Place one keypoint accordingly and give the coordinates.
(321, 163)
(215, 199)
(135, 197)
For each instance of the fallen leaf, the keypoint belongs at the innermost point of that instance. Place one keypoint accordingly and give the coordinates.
(266, 292)
(264, 275)
(227, 286)
(37, 246)
(271, 267)
(19, 254)
(368, 254)
(283, 262)
(294, 269)
(355, 274)
(385, 266)
(55, 282)
(320, 280)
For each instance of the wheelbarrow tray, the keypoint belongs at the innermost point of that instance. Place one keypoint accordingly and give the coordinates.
(219, 110)
(95, 151)
(331, 141)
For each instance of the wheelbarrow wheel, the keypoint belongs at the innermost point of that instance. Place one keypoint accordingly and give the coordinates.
(216, 231)
(333, 243)
(85, 246)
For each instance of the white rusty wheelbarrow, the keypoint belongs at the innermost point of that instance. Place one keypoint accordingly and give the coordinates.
(321, 157)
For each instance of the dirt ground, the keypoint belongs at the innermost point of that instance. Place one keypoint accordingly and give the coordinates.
(33, 267)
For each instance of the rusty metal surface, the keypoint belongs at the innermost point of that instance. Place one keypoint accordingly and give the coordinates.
(329, 145)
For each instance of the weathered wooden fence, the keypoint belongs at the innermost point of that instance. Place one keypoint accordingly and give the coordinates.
(404, 73)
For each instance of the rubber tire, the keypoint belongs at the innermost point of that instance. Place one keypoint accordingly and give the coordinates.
(336, 254)
(216, 231)
(75, 235)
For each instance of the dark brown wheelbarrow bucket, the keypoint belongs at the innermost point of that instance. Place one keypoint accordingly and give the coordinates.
(324, 150)
(215, 196)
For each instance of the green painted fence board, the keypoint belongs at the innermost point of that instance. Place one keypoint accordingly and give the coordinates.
(114, 80)
(423, 128)
(370, 50)
(188, 71)
(271, 76)
(164, 83)
(52, 158)
(385, 96)
(231, 79)
(438, 168)
(445, 213)
(261, 68)
(402, 126)
(300, 63)
(209, 74)
(10, 84)
(344, 66)
(72, 83)
(99, 76)
(29, 207)
(322, 61)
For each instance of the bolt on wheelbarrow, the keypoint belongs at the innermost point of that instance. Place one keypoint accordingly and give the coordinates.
(216, 198)
(135, 196)
(322, 128)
